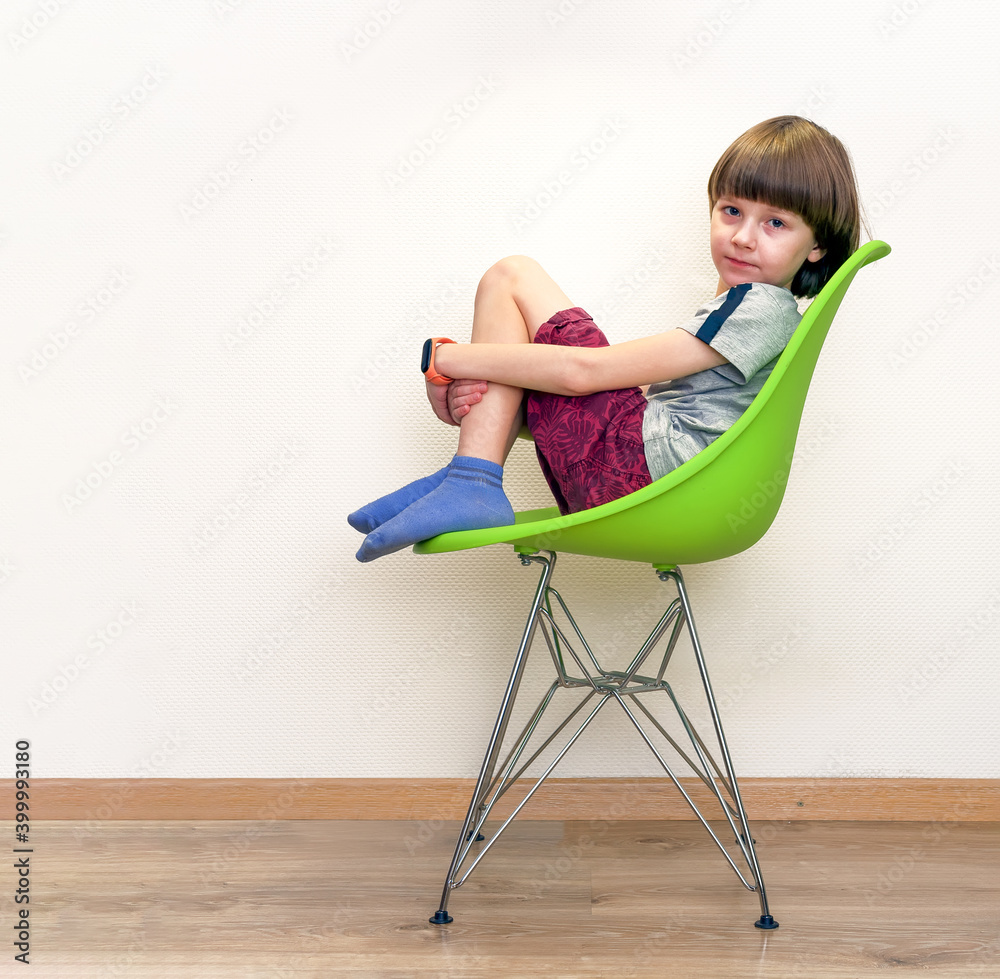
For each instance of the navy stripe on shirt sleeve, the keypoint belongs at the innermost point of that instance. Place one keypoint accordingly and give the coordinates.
(715, 319)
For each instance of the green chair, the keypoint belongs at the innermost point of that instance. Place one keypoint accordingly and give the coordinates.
(716, 505)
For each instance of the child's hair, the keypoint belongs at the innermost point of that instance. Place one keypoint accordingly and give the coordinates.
(792, 163)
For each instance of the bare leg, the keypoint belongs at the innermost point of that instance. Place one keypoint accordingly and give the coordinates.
(514, 298)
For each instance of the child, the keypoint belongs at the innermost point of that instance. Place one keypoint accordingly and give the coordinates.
(607, 420)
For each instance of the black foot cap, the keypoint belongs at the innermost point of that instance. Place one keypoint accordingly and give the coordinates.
(765, 921)
(479, 837)
(443, 918)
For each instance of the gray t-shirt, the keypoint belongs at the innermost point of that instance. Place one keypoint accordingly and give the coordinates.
(750, 326)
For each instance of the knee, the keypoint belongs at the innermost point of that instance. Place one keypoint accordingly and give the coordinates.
(508, 272)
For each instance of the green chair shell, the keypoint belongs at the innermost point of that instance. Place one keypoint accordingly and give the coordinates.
(715, 505)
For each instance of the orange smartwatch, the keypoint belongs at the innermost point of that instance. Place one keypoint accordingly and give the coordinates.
(427, 361)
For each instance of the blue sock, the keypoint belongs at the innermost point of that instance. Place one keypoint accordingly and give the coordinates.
(386, 507)
(470, 497)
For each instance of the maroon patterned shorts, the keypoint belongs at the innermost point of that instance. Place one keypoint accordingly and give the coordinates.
(590, 448)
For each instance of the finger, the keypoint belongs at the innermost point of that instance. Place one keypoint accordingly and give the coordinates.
(469, 387)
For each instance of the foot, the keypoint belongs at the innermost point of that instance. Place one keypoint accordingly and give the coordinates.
(386, 507)
(470, 497)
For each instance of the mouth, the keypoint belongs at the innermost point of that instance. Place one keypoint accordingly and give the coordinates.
(736, 263)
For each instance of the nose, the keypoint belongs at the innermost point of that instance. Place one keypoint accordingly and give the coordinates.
(743, 235)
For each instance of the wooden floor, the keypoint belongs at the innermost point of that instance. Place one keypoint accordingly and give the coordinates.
(283, 899)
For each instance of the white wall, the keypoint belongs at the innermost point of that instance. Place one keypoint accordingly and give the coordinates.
(197, 168)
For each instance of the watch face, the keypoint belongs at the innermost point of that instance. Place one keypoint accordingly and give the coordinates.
(425, 356)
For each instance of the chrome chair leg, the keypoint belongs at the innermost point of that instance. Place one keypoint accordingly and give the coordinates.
(766, 920)
(441, 916)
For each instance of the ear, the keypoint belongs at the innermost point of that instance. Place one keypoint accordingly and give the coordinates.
(816, 254)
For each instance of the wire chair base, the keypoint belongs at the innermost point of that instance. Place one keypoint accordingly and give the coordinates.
(577, 668)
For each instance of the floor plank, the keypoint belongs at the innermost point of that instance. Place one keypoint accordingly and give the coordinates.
(303, 898)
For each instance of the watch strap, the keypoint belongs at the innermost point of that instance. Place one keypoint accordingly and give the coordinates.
(427, 361)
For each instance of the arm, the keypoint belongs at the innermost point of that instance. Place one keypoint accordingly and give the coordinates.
(577, 371)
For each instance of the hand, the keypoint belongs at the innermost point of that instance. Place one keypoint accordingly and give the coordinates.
(452, 403)
(437, 395)
(462, 395)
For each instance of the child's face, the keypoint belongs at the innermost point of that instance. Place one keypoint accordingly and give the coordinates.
(755, 242)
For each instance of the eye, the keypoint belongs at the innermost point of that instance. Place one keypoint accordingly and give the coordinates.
(776, 223)
(730, 211)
